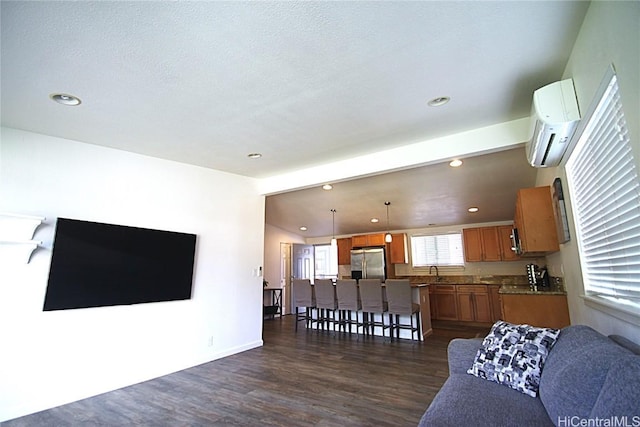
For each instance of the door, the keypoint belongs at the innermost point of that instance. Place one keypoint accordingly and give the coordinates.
(302, 263)
(285, 276)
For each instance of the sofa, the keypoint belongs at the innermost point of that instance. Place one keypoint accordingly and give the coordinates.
(586, 377)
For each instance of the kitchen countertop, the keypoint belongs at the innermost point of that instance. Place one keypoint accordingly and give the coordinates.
(526, 290)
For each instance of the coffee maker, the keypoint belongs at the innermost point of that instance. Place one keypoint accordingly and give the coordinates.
(538, 277)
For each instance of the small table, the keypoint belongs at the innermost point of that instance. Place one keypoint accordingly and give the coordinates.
(274, 300)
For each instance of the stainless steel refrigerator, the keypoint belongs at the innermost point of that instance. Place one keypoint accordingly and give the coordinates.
(368, 263)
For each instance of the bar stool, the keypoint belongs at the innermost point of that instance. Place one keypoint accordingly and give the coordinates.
(303, 297)
(348, 302)
(326, 302)
(401, 304)
(372, 304)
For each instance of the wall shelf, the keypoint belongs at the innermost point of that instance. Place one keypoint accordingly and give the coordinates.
(16, 237)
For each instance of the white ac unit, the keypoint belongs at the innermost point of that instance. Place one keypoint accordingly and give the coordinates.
(554, 118)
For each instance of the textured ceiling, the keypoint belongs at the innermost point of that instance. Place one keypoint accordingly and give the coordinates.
(303, 83)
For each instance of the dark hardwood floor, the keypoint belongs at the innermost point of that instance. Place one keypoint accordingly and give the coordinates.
(308, 378)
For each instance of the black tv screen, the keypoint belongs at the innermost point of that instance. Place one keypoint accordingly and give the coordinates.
(95, 265)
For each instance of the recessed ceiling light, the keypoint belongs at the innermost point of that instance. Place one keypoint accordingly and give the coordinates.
(65, 99)
(455, 163)
(303, 228)
(374, 220)
(254, 155)
(473, 209)
(441, 100)
(327, 187)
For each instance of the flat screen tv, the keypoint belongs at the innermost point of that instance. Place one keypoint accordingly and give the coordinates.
(95, 265)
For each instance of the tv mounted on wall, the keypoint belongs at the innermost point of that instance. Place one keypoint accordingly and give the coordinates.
(95, 265)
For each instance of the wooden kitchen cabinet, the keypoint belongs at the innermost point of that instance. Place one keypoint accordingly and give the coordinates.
(364, 240)
(473, 303)
(398, 249)
(549, 311)
(535, 222)
(444, 304)
(344, 251)
(481, 244)
(504, 236)
(472, 240)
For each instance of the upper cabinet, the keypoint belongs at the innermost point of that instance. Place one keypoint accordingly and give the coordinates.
(488, 244)
(535, 222)
(506, 246)
(344, 251)
(364, 240)
(398, 248)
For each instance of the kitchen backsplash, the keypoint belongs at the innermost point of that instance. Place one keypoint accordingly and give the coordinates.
(477, 280)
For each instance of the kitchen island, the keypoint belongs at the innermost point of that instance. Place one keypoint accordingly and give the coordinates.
(420, 295)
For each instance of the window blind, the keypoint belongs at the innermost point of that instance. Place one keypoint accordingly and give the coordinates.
(605, 194)
(440, 250)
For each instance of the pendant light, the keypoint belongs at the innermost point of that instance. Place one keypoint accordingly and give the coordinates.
(387, 237)
(334, 242)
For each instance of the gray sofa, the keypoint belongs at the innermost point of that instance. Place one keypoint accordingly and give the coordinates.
(586, 376)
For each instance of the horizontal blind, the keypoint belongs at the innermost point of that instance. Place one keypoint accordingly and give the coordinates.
(440, 250)
(605, 194)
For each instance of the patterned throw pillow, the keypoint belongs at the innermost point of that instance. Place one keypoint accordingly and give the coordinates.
(514, 355)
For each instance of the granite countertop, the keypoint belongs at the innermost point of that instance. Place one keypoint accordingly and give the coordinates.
(527, 290)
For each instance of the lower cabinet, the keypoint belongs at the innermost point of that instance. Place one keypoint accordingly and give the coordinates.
(468, 303)
(549, 311)
(444, 305)
(473, 303)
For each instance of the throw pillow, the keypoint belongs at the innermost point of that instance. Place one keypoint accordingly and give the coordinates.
(514, 355)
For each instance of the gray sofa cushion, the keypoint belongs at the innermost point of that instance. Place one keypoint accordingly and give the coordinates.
(620, 394)
(576, 370)
(465, 400)
(461, 353)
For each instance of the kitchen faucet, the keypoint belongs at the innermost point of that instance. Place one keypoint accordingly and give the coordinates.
(437, 273)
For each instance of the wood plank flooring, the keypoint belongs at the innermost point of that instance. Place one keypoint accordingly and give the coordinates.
(308, 378)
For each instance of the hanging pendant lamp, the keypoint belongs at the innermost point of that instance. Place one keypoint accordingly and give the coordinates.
(387, 237)
(334, 242)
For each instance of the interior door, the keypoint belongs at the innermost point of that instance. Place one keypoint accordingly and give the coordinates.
(285, 276)
(302, 264)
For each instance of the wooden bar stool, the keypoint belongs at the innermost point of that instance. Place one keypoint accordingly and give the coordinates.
(372, 303)
(401, 304)
(303, 297)
(348, 302)
(326, 303)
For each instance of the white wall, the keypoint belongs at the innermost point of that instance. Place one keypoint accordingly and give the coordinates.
(51, 358)
(609, 34)
(273, 236)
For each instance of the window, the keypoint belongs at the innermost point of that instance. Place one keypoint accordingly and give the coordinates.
(326, 259)
(605, 196)
(440, 250)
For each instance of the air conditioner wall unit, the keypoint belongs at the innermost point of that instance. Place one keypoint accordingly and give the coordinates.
(554, 118)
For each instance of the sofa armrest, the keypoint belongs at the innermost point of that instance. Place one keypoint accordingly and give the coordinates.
(461, 354)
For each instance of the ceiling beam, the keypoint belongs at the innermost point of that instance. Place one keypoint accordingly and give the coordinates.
(465, 144)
